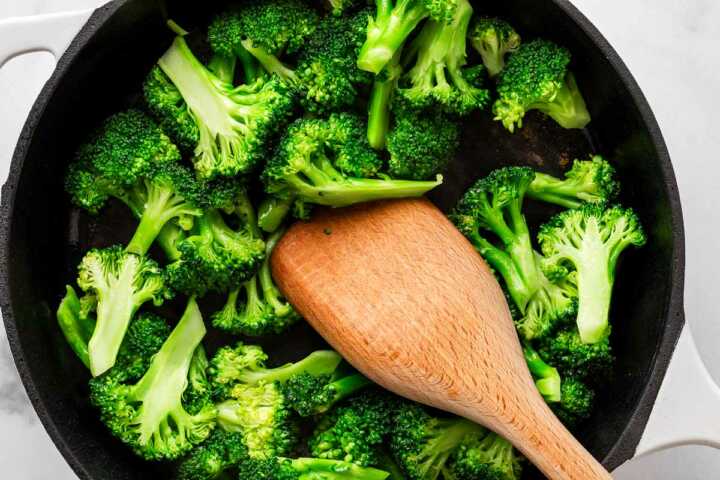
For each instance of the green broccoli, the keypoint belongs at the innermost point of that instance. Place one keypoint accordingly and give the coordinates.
(422, 444)
(493, 39)
(590, 240)
(234, 124)
(340, 7)
(436, 78)
(212, 459)
(590, 362)
(356, 430)
(76, 322)
(393, 23)
(381, 98)
(263, 309)
(576, 402)
(421, 143)
(326, 162)
(486, 456)
(279, 468)
(144, 338)
(314, 394)
(536, 77)
(592, 180)
(147, 413)
(547, 378)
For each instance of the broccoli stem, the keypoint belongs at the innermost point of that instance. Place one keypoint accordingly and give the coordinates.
(379, 106)
(321, 362)
(343, 388)
(272, 212)
(223, 67)
(76, 328)
(308, 468)
(249, 66)
(388, 32)
(270, 62)
(271, 294)
(547, 378)
(161, 388)
(168, 239)
(569, 108)
(349, 191)
(553, 190)
(595, 285)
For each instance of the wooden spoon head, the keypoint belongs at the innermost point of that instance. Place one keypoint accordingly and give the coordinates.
(404, 297)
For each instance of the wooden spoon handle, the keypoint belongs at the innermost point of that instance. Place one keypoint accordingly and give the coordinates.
(403, 296)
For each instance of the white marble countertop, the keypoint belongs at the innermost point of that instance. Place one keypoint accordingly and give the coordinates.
(666, 44)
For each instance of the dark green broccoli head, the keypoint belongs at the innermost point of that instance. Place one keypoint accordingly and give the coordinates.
(592, 181)
(536, 77)
(278, 26)
(144, 338)
(168, 106)
(147, 413)
(354, 432)
(313, 394)
(493, 38)
(422, 444)
(486, 456)
(219, 453)
(421, 144)
(592, 363)
(576, 403)
(306, 469)
(328, 76)
(436, 78)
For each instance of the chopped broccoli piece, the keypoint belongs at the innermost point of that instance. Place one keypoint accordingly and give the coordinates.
(591, 181)
(354, 432)
(436, 78)
(225, 39)
(493, 39)
(322, 162)
(147, 413)
(487, 456)
(219, 453)
(280, 468)
(547, 378)
(576, 402)
(381, 96)
(76, 324)
(422, 444)
(393, 23)
(234, 123)
(536, 77)
(589, 362)
(421, 143)
(590, 240)
(314, 394)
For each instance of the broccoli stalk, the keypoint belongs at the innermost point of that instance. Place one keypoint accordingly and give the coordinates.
(493, 38)
(233, 123)
(76, 324)
(223, 67)
(547, 378)
(392, 25)
(440, 54)
(148, 415)
(591, 181)
(589, 362)
(591, 239)
(379, 104)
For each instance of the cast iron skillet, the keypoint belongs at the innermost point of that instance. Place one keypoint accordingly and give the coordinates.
(43, 237)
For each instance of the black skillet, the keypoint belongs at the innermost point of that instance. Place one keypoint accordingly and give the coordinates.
(42, 237)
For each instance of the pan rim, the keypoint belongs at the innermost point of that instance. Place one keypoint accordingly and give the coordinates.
(624, 447)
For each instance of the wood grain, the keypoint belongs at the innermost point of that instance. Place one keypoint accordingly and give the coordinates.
(401, 294)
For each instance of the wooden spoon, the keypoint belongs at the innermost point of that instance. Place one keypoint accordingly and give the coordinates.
(405, 298)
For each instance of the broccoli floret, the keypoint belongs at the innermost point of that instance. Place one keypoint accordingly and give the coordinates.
(121, 282)
(219, 453)
(214, 256)
(339, 7)
(576, 402)
(329, 78)
(589, 362)
(421, 143)
(493, 39)
(314, 394)
(322, 162)
(436, 79)
(144, 338)
(495, 203)
(76, 324)
(263, 309)
(280, 468)
(354, 432)
(147, 413)
(547, 378)
(536, 77)
(591, 181)
(590, 240)
(381, 97)
(392, 25)
(487, 456)
(225, 39)
(234, 123)
(422, 444)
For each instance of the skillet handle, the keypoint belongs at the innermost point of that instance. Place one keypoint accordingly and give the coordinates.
(687, 409)
(43, 33)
